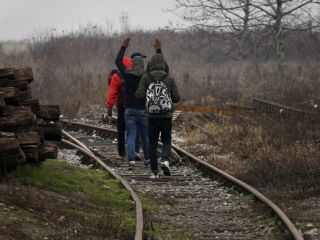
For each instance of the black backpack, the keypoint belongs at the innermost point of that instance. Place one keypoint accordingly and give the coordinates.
(158, 97)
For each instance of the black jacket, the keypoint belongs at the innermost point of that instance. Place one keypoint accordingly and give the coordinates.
(132, 79)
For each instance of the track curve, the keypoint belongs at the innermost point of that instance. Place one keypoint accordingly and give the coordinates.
(86, 151)
(288, 224)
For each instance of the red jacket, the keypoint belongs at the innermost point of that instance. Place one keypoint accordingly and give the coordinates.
(116, 89)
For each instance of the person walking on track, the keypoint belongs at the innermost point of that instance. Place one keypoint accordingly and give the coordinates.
(135, 117)
(116, 95)
(160, 90)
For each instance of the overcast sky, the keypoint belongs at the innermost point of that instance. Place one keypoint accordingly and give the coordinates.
(19, 18)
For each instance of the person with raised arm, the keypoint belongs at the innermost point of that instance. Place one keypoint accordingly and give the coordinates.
(135, 116)
(160, 90)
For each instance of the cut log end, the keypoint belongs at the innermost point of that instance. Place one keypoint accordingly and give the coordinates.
(48, 151)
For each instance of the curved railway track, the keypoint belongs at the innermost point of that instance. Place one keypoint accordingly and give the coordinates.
(210, 211)
(84, 150)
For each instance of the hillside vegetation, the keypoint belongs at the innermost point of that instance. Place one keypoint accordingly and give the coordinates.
(70, 70)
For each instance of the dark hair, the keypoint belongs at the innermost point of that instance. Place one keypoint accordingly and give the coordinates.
(137, 54)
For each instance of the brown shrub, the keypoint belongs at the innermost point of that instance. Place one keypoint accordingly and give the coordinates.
(269, 152)
(288, 156)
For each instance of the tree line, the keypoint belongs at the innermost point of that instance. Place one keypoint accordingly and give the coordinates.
(70, 70)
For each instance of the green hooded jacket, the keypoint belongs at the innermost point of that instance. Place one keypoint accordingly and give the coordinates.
(157, 67)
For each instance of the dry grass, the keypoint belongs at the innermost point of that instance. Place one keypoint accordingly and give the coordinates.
(266, 152)
(70, 70)
(195, 137)
(287, 154)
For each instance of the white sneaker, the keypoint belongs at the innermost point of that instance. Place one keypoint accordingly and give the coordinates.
(165, 168)
(131, 165)
(154, 176)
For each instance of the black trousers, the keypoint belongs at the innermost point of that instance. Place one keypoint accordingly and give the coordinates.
(156, 127)
(121, 128)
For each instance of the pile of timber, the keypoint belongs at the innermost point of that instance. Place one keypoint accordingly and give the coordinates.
(29, 132)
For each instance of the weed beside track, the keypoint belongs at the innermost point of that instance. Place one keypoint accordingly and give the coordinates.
(265, 152)
(279, 156)
(58, 200)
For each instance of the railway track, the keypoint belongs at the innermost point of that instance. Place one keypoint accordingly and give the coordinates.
(260, 105)
(191, 200)
(83, 149)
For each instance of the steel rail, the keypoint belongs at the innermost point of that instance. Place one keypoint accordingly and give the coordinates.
(260, 104)
(113, 133)
(106, 131)
(139, 210)
(76, 141)
(110, 131)
(284, 218)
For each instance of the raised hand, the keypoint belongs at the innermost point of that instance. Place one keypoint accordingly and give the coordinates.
(157, 44)
(126, 42)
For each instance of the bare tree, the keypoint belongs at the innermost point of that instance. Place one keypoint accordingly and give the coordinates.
(242, 21)
(232, 16)
(284, 15)
(231, 19)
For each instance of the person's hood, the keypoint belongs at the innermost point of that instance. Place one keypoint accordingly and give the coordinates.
(157, 63)
(137, 66)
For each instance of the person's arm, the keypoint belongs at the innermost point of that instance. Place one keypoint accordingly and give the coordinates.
(122, 68)
(157, 46)
(142, 88)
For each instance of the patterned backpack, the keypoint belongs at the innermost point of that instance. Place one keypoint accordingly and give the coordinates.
(158, 97)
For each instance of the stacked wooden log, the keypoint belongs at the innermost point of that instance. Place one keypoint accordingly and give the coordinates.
(29, 132)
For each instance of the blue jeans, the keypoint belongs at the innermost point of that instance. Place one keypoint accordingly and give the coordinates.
(136, 120)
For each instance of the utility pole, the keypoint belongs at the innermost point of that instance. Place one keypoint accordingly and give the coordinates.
(124, 22)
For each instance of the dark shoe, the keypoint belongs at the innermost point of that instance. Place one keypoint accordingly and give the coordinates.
(119, 157)
(165, 168)
(138, 156)
(147, 162)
